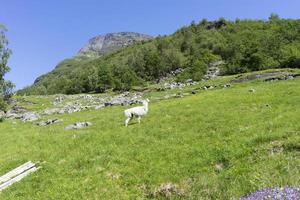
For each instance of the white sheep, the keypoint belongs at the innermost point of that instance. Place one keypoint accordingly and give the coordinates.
(136, 112)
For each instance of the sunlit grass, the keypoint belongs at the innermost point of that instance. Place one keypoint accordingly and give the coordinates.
(217, 144)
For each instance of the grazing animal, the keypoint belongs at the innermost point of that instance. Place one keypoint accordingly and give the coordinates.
(136, 112)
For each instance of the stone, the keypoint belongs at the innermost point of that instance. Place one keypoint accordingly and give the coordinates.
(49, 121)
(189, 80)
(29, 117)
(16, 113)
(179, 95)
(58, 99)
(78, 125)
(71, 108)
(104, 44)
(252, 90)
(177, 71)
(213, 70)
(227, 85)
(107, 104)
(98, 107)
(2, 114)
(50, 111)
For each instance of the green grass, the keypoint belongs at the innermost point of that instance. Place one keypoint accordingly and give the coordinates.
(179, 141)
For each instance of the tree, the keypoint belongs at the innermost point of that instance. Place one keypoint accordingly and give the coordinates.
(105, 79)
(274, 17)
(5, 86)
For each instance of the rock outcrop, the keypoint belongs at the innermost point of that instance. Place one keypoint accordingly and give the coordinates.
(78, 125)
(213, 70)
(103, 44)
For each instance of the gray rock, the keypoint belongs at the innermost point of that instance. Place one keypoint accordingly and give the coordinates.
(213, 70)
(16, 113)
(2, 114)
(268, 76)
(58, 99)
(103, 44)
(107, 104)
(78, 125)
(227, 85)
(29, 117)
(177, 71)
(50, 111)
(189, 80)
(98, 107)
(252, 90)
(179, 95)
(71, 108)
(48, 122)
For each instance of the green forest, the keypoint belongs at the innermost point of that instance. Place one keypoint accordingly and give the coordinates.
(243, 45)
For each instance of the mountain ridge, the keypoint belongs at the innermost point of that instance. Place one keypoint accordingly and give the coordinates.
(106, 43)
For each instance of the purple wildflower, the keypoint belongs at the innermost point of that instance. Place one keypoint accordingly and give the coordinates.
(286, 193)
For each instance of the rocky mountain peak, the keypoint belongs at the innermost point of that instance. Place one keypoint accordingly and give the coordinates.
(103, 44)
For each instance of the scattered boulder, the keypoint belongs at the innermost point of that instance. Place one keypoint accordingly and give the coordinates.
(179, 95)
(16, 113)
(98, 107)
(48, 122)
(107, 104)
(177, 71)
(267, 76)
(204, 87)
(78, 125)
(29, 117)
(58, 99)
(71, 108)
(213, 70)
(2, 114)
(189, 80)
(227, 85)
(50, 111)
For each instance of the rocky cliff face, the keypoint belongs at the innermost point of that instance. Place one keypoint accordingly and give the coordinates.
(103, 44)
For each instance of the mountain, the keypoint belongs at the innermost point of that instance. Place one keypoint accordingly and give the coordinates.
(96, 47)
(110, 63)
(104, 44)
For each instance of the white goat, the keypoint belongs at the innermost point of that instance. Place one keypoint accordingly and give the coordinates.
(136, 112)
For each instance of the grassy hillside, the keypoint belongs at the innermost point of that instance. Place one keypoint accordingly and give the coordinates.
(243, 45)
(216, 144)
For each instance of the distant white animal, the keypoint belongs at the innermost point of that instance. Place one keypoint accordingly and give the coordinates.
(136, 112)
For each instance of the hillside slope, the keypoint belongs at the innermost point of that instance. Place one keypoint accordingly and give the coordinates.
(217, 144)
(96, 47)
(242, 45)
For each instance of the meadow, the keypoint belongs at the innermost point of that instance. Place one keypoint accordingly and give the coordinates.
(216, 144)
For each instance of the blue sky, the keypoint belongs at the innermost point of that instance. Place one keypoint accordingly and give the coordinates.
(43, 32)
